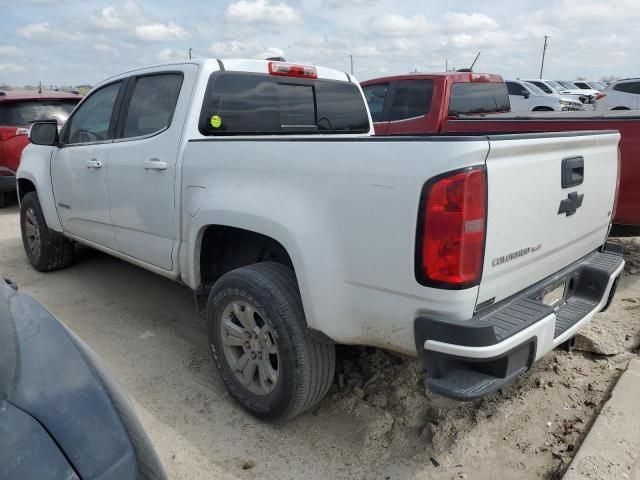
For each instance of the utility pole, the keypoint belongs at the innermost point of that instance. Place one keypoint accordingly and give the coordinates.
(351, 59)
(190, 49)
(446, 65)
(544, 51)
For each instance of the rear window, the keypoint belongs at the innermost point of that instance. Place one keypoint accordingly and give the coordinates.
(244, 103)
(470, 98)
(21, 113)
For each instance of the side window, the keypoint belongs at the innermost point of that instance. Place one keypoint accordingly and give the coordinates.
(91, 121)
(628, 87)
(375, 96)
(544, 88)
(412, 99)
(515, 89)
(152, 104)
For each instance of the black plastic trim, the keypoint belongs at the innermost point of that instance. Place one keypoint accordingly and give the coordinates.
(421, 278)
(480, 332)
(220, 65)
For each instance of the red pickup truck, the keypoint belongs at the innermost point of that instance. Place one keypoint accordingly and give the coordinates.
(18, 109)
(469, 102)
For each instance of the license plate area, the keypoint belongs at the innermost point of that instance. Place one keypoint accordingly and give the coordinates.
(554, 294)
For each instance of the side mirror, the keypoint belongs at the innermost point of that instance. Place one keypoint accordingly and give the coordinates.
(526, 94)
(44, 133)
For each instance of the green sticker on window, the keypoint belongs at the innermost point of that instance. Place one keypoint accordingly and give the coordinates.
(216, 121)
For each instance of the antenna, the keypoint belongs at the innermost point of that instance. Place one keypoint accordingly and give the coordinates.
(470, 69)
(190, 50)
(474, 61)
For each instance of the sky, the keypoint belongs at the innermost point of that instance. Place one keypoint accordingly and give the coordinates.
(74, 43)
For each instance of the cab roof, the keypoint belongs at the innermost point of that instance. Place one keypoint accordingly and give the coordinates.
(453, 77)
(23, 95)
(241, 65)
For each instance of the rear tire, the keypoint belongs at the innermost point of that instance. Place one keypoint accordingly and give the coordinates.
(46, 249)
(264, 354)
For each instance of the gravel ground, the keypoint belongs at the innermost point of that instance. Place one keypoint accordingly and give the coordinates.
(376, 423)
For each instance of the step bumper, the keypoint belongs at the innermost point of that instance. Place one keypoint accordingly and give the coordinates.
(469, 359)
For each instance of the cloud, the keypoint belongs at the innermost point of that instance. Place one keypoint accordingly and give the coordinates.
(262, 11)
(9, 51)
(43, 31)
(108, 19)
(393, 24)
(158, 32)
(237, 49)
(11, 68)
(467, 22)
(337, 4)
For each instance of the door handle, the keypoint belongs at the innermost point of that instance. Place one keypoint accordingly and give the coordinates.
(94, 163)
(154, 164)
(572, 171)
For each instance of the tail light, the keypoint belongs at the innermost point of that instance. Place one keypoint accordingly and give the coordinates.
(600, 95)
(291, 70)
(451, 230)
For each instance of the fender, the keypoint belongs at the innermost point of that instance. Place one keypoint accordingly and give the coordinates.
(35, 166)
(196, 225)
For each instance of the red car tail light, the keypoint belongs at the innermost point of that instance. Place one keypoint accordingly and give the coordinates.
(292, 70)
(451, 229)
(600, 96)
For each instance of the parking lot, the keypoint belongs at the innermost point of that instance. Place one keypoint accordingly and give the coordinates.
(376, 421)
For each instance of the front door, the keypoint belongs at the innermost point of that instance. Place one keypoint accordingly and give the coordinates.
(143, 164)
(78, 168)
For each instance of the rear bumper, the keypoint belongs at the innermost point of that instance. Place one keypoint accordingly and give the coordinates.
(469, 359)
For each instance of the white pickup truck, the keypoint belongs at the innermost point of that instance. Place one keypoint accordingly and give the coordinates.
(260, 186)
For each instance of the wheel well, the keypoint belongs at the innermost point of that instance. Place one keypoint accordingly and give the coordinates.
(226, 248)
(543, 109)
(620, 108)
(25, 186)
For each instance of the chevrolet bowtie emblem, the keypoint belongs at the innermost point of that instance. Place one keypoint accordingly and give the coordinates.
(570, 204)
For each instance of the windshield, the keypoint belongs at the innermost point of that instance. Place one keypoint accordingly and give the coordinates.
(21, 113)
(534, 88)
(556, 86)
(470, 98)
(597, 85)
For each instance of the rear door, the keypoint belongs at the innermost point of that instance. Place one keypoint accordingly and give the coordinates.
(143, 164)
(538, 223)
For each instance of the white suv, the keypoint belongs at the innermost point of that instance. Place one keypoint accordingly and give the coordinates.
(526, 97)
(620, 95)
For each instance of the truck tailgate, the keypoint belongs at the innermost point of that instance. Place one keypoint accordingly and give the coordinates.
(535, 225)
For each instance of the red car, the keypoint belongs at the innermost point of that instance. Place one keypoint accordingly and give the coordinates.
(18, 109)
(467, 102)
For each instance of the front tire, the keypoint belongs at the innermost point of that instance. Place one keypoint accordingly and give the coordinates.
(264, 354)
(46, 250)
